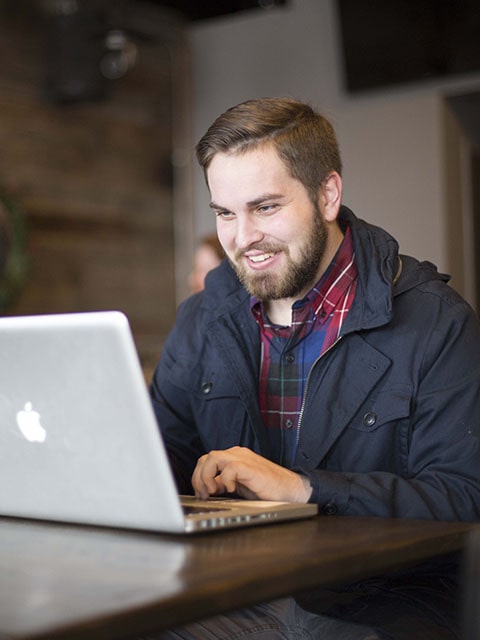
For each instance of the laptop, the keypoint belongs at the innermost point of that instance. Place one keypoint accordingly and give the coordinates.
(79, 441)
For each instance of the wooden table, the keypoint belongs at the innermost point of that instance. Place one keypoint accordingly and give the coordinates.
(66, 582)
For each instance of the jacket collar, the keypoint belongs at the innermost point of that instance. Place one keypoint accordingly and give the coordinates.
(383, 273)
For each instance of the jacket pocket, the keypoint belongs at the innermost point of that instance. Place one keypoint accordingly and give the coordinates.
(388, 405)
(202, 382)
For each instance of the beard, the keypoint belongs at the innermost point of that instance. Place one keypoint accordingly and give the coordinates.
(297, 276)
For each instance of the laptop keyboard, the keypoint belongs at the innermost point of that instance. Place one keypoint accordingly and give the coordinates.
(188, 509)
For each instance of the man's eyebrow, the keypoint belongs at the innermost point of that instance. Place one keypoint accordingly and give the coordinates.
(263, 198)
(252, 203)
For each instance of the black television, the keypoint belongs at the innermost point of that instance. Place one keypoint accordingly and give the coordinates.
(393, 42)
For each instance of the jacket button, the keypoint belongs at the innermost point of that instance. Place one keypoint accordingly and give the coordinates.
(206, 388)
(370, 418)
(330, 509)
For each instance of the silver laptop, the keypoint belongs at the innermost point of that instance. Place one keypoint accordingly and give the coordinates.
(79, 441)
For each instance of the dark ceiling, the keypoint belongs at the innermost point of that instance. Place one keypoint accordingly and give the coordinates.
(90, 42)
(194, 10)
(191, 10)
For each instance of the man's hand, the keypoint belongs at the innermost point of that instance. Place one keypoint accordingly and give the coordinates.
(240, 470)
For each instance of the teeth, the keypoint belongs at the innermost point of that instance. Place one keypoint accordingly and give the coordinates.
(261, 258)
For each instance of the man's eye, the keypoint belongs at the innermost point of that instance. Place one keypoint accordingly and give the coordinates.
(267, 208)
(224, 214)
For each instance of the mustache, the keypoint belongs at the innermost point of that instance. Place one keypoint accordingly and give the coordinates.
(262, 247)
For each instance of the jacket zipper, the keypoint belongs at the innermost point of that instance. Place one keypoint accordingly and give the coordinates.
(302, 408)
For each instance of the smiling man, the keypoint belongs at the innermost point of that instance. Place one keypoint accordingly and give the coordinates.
(278, 240)
(320, 364)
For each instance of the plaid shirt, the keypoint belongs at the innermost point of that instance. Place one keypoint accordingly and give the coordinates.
(288, 353)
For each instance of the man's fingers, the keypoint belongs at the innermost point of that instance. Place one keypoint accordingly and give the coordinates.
(214, 474)
(240, 470)
(228, 478)
(206, 480)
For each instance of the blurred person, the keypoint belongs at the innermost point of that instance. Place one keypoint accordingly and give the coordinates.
(207, 256)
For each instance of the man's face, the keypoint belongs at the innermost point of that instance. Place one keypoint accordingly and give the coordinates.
(272, 233)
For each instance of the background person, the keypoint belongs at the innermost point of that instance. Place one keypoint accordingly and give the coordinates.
(207, 256)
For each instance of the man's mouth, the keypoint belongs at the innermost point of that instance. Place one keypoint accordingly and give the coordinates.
(262, 257)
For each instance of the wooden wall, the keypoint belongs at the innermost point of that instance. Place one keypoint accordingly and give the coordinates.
(94, 181)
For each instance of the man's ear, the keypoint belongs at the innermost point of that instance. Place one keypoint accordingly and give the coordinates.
(330, 196)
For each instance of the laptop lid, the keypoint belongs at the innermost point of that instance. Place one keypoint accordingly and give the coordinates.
(79, 441)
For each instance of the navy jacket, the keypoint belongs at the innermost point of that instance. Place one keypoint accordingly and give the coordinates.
(391, 418)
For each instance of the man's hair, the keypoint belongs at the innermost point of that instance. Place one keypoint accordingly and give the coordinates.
(303, 138)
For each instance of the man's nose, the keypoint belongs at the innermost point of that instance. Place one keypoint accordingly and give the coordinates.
(248, 232)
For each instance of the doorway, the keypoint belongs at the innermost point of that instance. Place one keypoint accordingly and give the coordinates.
(462, 180)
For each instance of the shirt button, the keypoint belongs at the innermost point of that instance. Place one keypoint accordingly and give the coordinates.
(290, 358)
(289, 423)
(330, 509)
(370, 418)
(206, 388)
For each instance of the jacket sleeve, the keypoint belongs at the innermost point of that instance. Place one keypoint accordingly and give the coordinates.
(431, 468)
(172, 404)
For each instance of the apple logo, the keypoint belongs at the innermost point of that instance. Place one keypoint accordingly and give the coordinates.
(28, 422)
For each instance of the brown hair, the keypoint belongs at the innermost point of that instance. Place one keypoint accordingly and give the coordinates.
(302, 137)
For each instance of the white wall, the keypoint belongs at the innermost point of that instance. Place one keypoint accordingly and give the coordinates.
(391, 141)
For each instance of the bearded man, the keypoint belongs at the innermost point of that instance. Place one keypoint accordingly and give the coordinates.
(320, 364)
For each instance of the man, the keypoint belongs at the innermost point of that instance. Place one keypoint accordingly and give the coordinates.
(321, 365)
